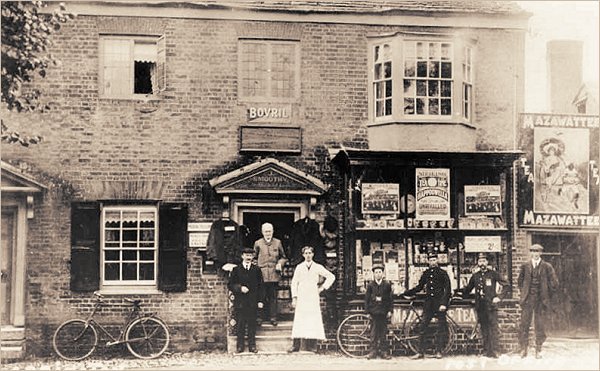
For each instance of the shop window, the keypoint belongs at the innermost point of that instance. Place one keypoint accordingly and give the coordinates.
(269, 70)
(131, 66)
(128, 247)
(417, 79)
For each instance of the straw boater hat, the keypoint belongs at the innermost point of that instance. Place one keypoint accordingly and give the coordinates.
(557, 144)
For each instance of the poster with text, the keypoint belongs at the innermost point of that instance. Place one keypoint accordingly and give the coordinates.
(483, 200)
(432, 194)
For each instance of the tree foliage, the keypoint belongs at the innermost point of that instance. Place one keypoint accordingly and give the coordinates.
(26, 38)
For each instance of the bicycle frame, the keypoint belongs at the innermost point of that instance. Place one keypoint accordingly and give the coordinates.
(133, 314)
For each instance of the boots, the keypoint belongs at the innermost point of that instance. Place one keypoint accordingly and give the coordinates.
(295, 345)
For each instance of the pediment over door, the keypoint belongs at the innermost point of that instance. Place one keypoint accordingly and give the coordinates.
(268, 176)
(15, 180)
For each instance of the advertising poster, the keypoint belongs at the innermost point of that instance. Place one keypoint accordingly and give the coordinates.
(558, 178)
(483, 200)
(380, 198)
(432, 194)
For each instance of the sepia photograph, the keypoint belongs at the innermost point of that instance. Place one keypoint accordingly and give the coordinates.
(300, 184)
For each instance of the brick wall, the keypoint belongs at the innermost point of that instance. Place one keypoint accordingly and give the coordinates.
(174, 145)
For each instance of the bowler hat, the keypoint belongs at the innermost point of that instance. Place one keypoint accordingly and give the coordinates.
(247, 250)
(432, 255)
(377, 266)
(536, 247)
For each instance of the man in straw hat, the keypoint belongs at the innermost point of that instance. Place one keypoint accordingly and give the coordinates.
(537, 281)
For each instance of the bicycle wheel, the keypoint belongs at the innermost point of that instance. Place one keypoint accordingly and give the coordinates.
(147, 337)
(75, 340)
(354, 335)
(413, 338)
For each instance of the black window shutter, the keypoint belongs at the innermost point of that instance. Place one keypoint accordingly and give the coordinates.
(85, 246)
(172, 250)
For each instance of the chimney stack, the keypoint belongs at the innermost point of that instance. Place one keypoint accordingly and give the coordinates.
(565, 73)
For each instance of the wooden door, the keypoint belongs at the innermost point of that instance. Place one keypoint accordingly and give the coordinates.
(6, 262)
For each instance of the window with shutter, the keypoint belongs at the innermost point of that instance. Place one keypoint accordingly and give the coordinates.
(85, 246)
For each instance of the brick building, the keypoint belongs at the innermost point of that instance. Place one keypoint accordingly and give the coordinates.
(169, 117)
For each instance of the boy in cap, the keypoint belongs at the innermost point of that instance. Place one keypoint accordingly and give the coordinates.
(436, 283)
(537, 281)
(379, 303)
(246, 283)
(484, 282)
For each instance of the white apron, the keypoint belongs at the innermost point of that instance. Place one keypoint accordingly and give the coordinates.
(308, 322)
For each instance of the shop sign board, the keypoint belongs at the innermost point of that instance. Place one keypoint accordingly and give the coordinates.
(269, 138)
(483, 244)
(462, 315)
(558, 179)
(432, 194)
(269, 113)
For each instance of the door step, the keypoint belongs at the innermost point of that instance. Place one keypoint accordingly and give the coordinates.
(12, 343)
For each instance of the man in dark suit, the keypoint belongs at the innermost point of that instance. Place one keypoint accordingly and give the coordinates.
(246, 283)
(436, 283)
(484, 282)
(379, 303)
(537, 281)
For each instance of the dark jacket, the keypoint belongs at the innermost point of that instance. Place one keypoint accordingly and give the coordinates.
(379, 298)
(484, 283)
(436, 284)
(548, 281)
(224, 242)
(253, 280)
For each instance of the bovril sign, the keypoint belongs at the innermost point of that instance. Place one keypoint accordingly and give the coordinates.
(269, 113)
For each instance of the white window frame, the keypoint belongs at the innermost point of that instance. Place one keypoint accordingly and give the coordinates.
(269, 45)
(127, 78)
(126, 285)
(467, 91)
(397, 42)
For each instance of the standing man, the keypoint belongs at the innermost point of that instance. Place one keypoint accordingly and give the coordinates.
(246, 283)
(537, 281)
(379, 303)
(436, 283)
(484, 282)
(271, 259)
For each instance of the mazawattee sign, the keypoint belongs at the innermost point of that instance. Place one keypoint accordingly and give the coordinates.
(558, 178)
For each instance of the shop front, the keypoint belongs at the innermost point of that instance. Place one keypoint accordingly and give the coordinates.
(401, 206)
(558, 188)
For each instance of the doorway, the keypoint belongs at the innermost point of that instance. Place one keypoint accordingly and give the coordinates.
(8, 248)
(574, 257)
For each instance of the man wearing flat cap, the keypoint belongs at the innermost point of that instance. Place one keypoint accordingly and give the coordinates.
(246, 283)
(484, 282)
(379, 304)
(537, 281)
(436, 284)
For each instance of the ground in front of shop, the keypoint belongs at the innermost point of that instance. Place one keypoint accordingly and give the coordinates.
(557, 355)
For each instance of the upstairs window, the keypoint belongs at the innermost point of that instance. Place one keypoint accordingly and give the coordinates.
(269, 70)
(420, 79)
(131, 66)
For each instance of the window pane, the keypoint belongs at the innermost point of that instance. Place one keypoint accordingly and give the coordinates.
(378, 74)
(111, 235)
(112, 219)
(420, 106)
(433, 89)
(147, 235)
(446, 70)
(422, 88)
(409, 88)
(409, 106)
(388, 107)
(388, 70)
(147, 220)
(129, 271)
(434, 51)
(111, 271)
(130, 255)
(388, 88)
(146, 255)
(434, 107)
(379, 108)
(420, 50)
(446, 51)
(446, 106)
(146, 271)
(422, 69)
(434, 69)
(409, 68)
(378, 90)
(376, 54)
(111, 255)
(446, 87)
(130, 235)
(143, 73)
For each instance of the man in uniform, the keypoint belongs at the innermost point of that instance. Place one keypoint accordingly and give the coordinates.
(537, 281)
(436, 283)
(484, 282)
(379, 303)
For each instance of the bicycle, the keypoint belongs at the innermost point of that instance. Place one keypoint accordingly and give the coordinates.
(146, 335)
(353, 333)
